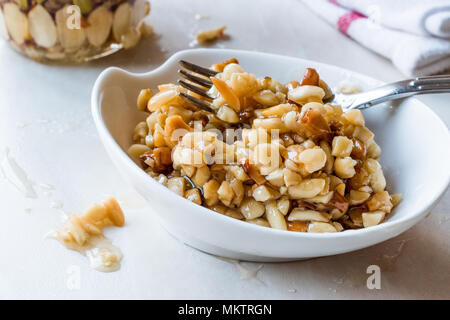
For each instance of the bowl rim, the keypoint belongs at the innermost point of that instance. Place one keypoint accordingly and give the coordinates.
(103, 131)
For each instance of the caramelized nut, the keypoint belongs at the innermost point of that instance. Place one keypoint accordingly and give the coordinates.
(311, 78)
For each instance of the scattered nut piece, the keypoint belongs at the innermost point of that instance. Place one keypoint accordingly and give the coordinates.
(208, 36)
(83, 233)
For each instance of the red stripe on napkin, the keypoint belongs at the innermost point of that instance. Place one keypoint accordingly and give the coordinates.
(346, 20)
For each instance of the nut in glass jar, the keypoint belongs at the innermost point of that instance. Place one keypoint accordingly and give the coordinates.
(72, 30)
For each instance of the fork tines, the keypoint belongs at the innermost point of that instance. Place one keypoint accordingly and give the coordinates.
(191, 77)
(199, 103)
(194, 88)
(198, 82)
(197, 69)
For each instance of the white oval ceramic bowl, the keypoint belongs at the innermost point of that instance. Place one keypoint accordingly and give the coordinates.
(415, 157)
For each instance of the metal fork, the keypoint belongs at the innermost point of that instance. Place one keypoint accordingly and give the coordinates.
(392, 91)
(197, 75)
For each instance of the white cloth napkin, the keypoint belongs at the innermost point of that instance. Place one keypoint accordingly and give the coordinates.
(413, 55)
(422, 17)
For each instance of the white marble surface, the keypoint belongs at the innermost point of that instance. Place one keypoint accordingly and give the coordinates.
(45, 122)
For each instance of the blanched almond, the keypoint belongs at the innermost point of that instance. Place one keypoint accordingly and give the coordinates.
(340, 188)
(252, 209)
(136, 150)
(238, 172)
(274, 216)
(330, 159)
(100, 22)
(160, 99)
(188, 171)
(306, 93)
(268, 98)
(380, 201)
(377, 179)
(307, 188)
(270, 124)
(239, 191)
(210, 192)
(363, 134)
(70, 39)
(143, 99)
(321, 227)
(227, 114)
(358, 197)
(193, 195)
(341, 146)
(345, 167)
(260, 222)
(263, 193)
(279, 110)
(313, 159)
(122, 21)
(232, 213)
(225, 193)
(325, 199)
(201, 176)
(42, 27)
(373, 150)
(396, 199)
(276, 178)
(338, 226)
(177, 185)
(16, 23)
(372, 218)
(308, 215)
(283, 205)
(291, 178)
(354, 117)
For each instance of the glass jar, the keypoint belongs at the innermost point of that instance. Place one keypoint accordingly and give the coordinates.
(72, 30)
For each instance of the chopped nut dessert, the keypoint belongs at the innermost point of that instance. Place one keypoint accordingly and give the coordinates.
(75, 30)
(83, 233)
(208, 36)
(266, 153)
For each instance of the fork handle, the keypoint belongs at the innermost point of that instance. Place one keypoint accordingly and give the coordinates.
(402, 89)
